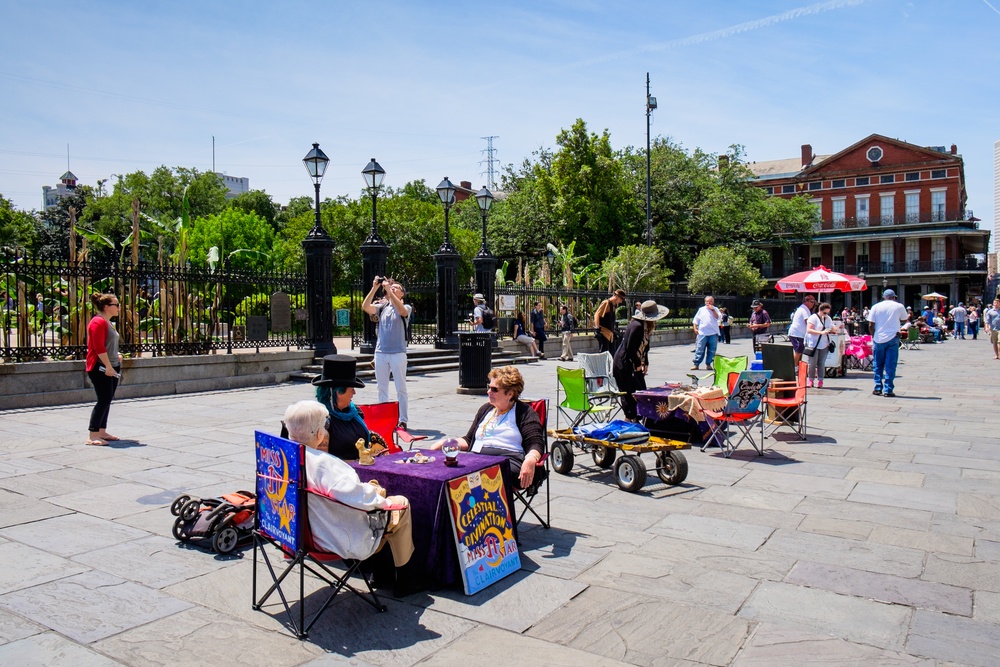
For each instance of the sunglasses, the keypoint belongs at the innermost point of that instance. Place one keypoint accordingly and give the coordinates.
(493, 390)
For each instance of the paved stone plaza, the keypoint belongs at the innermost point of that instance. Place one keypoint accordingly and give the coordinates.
(875, 542)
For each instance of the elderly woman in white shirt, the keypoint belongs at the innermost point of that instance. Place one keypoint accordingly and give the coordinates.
(819, 326)
(334, 527)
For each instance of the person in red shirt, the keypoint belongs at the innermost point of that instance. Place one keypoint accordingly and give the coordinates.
(103, 364)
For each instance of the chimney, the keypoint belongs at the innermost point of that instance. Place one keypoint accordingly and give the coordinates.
(723, 162)
(807, 155)
(466, 184)
(954, 149)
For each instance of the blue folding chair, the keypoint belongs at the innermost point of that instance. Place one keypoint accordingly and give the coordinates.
(742, 410)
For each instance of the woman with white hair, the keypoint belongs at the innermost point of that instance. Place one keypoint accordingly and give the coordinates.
(334, 527)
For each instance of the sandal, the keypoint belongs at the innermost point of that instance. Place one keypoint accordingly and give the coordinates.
(97, 442)
(110, 438)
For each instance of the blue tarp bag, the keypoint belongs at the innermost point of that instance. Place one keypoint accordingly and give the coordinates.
(618, 430)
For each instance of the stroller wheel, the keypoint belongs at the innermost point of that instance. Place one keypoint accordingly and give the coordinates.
(225, 539)
(175, 507)
(178, 530)
(190, 509)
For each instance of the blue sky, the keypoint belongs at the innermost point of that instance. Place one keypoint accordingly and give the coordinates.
(133, 85)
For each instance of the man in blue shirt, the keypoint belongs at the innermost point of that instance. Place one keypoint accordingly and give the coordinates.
(390, 349)
(992, 319)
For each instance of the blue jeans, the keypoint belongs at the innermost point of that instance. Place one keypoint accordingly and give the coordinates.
(884, 359)
(705, 349)
(959, 329)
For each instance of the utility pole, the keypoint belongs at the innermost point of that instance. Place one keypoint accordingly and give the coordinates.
(490, 160)
(650, 105)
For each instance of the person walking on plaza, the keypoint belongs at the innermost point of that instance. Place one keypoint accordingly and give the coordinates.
(991, 318)
(959, 314)
(818, 329)
(797, 329)
(483, 317)
(886, 317)
(566, 325)
(725, 326)
(972, 321)
(631, 361)
(103, 364)
(760, 320)
(706, 327)
(538, 328)
(390, 349)
(605, 321)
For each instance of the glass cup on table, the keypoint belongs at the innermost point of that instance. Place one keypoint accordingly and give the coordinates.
(450, 449)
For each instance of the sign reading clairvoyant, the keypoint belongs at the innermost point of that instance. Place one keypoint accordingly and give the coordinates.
(487, 550)
(278, 468)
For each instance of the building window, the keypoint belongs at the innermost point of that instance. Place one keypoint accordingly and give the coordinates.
(887, 178)
(937, 206)
(816, 185)
(862, 180)
(862, 259)
(861, 211)
(888, 256)
(838, 212)
(839, 261)
(939, 173)
(912, 254)
(788, 189)
(815, 256)
(839, 183)
(913, 175)
(913, 207)
(888, 209)
(770, 190)
(937, 254)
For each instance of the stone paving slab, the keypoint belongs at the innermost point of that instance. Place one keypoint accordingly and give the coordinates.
(713, 531)
(72, 534)
(49, 650)
(642, 630)
(849, 553)
(14, 509)
(34, 566)
(921, 539)
(850, 618)
(480, 647)
(13, 627)
(751, 498)
(56, 482)
(805, 485)
(883, 587)
(110, 502)
(91, 606)
(963, 571)
(961, 640)
(155, 561)
(898, 496)
(854, 530)
(781, 646)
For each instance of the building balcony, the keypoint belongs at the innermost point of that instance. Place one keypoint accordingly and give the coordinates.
(924, 217)
(970, 265)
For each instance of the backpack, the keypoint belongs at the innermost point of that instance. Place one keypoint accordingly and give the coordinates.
(489, 318)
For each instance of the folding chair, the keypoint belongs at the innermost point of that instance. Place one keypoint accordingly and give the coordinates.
(598, 371)
(912, 340)
(281, 520)
(742, 410)
(572, 386)
(726, 365)
(527, 496)
(790, 412)
(383, 418)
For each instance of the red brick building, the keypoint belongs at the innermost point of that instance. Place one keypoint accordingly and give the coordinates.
(891, 210)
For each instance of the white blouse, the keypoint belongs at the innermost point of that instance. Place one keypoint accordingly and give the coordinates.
(499, 431)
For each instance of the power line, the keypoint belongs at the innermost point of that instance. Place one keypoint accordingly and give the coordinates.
(490, 160)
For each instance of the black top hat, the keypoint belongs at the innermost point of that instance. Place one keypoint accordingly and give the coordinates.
(339, 370)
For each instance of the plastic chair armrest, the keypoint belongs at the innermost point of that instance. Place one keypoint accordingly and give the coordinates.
(408, 437)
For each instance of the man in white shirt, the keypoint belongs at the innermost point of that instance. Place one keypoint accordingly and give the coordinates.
(886, 317)
(960, 315)
(797, 329)
(706, 327)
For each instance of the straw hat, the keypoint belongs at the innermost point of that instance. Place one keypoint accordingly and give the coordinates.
(650, 312)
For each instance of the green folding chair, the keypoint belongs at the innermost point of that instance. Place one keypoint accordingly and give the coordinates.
(726, 365)
(574, 403)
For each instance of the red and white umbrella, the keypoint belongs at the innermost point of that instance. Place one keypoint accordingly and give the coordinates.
(821, 280)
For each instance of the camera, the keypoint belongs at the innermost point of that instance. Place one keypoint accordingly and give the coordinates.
(379, 280)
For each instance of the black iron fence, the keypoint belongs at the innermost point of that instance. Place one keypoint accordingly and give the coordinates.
(165, 310)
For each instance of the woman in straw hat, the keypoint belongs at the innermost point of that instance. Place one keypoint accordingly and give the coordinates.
(632, 358)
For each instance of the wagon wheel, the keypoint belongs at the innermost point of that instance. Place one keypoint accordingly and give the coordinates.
(175, 507)
(604, 456)
(630, 473)
(562, 457)
(672, 467)
(190, 509)
(178, 530)
(225, 539)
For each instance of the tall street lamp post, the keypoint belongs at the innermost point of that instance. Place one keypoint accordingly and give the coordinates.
(318, 249)
(650, 106)
(484, 261)
(374, 250)
(446, 259)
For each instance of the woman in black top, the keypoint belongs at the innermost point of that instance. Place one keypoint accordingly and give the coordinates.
(632, 358)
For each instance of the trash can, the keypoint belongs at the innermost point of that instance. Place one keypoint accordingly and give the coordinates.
(475, 358)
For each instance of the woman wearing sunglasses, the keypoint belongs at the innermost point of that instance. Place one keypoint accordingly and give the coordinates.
(103, 364)
(506, 427)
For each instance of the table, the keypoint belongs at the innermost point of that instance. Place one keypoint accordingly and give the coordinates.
(678, 414)
(434, 563)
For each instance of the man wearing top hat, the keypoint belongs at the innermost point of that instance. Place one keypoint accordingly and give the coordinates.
(631, 361)
(390, 349)
(335, 389)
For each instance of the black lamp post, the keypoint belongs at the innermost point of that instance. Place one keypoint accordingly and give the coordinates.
(318, 249)
(374, 250)
(446, 259)
(650, 106)
(861, 297)
(485, 262)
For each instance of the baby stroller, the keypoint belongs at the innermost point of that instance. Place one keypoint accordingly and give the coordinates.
(858, 353)
(226, 520)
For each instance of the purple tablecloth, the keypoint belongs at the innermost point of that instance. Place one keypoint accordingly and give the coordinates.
(434, 563)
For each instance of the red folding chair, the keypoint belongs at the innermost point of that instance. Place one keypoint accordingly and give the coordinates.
(528, 495)
(790, 412)
(383, 418)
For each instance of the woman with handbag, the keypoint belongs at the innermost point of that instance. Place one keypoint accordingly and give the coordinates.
(819, 326)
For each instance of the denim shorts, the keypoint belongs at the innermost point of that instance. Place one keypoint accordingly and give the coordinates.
(797, 344)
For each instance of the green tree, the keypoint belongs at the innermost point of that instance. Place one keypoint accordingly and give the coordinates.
(244, 240)
(636, 268)
(17, 228)
(723, 270)
(52, 226)
(259, 202)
